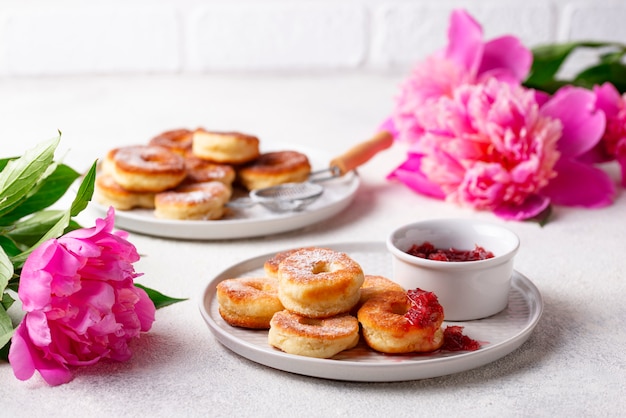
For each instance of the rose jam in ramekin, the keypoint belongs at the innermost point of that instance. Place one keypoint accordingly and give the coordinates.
(430, 252)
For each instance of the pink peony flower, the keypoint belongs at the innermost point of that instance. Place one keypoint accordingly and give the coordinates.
(612, 146)
(493, 146)
(465, 60)
(81, 303)
(578, 183)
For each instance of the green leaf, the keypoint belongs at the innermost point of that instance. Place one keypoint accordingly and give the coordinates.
(85, 191)
(543, 217)
(55, 231)
(612, 56)
(6, 327)
(6, 270)
(20, 175)
(6, 301)
(4, 161)
(47, 192)
(614, 72)
(548, 60)
(159, 299)
(29, 231)
(9, 246)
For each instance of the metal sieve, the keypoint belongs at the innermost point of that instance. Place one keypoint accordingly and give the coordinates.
(291, 197)
(288, 197)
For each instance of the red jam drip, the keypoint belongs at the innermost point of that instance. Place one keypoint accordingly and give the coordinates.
(454, 340)
(425, 308)
(428, 251)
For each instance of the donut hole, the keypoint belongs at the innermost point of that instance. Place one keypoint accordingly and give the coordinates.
(321, 267)
(153, 158)
(260, 286)
(399, 309)
(256, 286)
(310, 321)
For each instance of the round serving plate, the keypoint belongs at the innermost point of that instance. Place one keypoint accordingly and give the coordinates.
(246, 223)
(499, 334)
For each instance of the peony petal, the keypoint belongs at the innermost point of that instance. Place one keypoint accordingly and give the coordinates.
(583, 124)
(507, 59)
(80, 247)
(621, 159)
(541, 97)
(21, 354)
(102, 225)
(465, 41)
(579, 184)
(531, 207)
(595, 155)
(410, 174)
(145, 309)
(607, 99)
(49, 269)
(24, 358)
(37, 326)
(389, 126)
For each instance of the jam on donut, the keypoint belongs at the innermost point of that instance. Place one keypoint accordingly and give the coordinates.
(402, 322)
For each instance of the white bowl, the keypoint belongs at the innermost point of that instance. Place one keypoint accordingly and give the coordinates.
(467, 289)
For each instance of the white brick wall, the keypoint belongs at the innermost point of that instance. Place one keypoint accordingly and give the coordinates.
(66, 37)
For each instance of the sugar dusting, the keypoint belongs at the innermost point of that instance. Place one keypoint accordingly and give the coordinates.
(307, 263)
(334, 327)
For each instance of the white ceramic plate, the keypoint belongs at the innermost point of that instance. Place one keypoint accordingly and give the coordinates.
(246, 223)
(499, 334)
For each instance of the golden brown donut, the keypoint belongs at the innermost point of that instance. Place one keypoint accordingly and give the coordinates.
(193, 201)
(176, 140)
(402, 322)
(199, 171)
(225, 147)
(271, 265)
(248, 302)
(109, 193)
(374, 285)
(106, 164)
(274, 168)
(146, 168)
(319, 282)
(321, 338)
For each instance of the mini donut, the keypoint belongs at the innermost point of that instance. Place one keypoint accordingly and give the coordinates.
(402, 322)
(193, 201)
(146, 168)
(248, 302)
(319, 282)
(274, 168)
(271, 265)
(374, 285)
(225, 147)
(109, 193)
(199, 171)
(320, 338)
(106, 165)
(177, 140)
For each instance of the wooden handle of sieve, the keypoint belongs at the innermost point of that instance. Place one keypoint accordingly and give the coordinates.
(362, 153)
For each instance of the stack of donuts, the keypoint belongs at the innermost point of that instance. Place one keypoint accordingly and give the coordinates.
(317, 302)
(185, 174)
